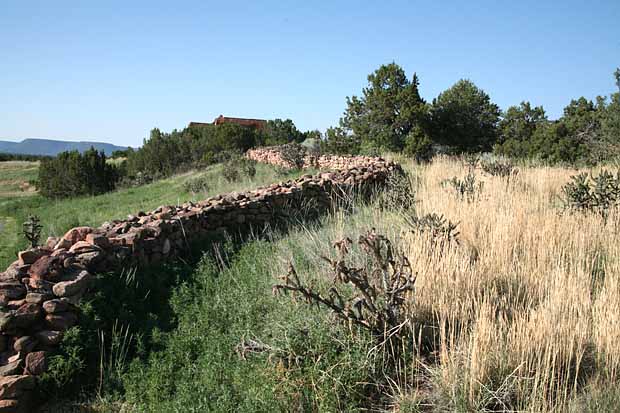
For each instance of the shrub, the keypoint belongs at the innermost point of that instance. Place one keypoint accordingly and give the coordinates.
(382, 291)
(468, 188)
(230, 171)
(293, 154)
(139, 179)
(32, 230)
(470, 161)
(419, 145)
(593, 194)
(197, 185)
(503, 169)
(73, 173)
(235, 165)
(440, 231)
(249, 167)
(398, 193)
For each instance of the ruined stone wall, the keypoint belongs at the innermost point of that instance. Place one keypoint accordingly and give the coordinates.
(272, 156)
(40, 291)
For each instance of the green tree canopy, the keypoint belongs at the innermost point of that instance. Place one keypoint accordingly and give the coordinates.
(389, 108)
(610, 121)
(465, 118)
(517, 128)
(280, 132)
(72, 174)
(341, 142)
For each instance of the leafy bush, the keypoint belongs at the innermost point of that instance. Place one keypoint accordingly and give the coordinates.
(312, 368)
(293, 154)
(199, 185)
(248, 167)
(470, 161)
(339, 141)
(419, 145)
(139, 179)
(73, 173)
(230, 171)
(236, 165)
(593, 194)
(194, 146)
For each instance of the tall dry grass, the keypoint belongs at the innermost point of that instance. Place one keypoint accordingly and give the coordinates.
(525, 312)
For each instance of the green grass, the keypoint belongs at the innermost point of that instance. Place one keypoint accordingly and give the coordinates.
(187, 321)
(57, 216)
(12, 175)
(185, 349)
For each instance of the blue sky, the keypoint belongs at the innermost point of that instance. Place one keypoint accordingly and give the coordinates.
(112, 71)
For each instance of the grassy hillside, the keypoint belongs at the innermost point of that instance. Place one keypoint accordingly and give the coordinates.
(14, 177)
(14, 188)
(57, 216)
(520, 315)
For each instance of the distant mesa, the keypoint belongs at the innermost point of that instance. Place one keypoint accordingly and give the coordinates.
(255, 123)
(50, 147)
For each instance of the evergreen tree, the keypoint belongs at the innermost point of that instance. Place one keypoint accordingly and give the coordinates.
(390, 107)
(517, 129)
(465, 118)
(73, 174)
(280, 132)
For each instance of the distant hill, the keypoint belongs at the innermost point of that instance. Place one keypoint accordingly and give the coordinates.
(52, 147)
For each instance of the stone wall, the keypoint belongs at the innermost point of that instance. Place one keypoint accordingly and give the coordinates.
(40, 291)
(272, 156)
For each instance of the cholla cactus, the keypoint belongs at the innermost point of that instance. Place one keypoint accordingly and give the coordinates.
(399, 192)
(440, 231)
(468, 188)
(595, 194)
(382, 293)
(503, 169)
(32, 230)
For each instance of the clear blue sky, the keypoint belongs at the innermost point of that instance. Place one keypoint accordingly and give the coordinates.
(111, 71)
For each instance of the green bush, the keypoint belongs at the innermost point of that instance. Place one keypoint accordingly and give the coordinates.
(248, 167)
(293, 154)
(199, 185)
(73, 174)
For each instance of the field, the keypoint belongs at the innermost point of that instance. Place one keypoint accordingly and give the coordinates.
(14, 185)
(521, 314)
(57, 216)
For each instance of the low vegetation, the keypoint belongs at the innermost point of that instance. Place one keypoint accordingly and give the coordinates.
(514, 311)
(597, 194)
(60, 215)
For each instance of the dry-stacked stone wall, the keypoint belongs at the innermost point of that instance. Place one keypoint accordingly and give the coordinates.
(40, 291)
(272, 156)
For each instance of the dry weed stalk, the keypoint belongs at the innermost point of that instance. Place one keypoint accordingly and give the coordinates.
(382, 292)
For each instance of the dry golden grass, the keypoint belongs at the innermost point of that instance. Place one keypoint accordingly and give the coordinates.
(526, 310)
